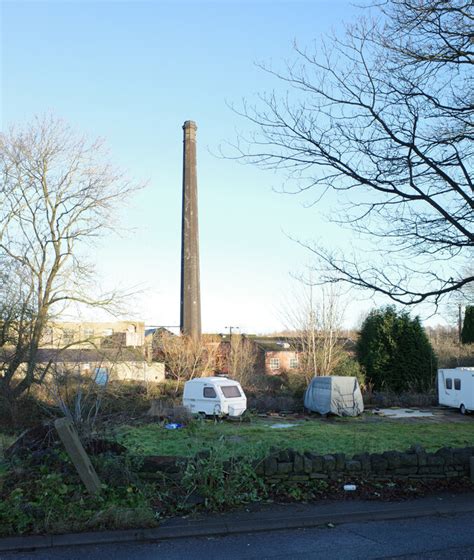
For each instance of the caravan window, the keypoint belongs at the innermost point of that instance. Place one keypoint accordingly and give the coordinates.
(209, 393)
(457, 384)
(449, 383)
(231, 391)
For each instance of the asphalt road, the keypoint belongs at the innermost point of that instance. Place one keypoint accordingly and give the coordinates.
(440, 537)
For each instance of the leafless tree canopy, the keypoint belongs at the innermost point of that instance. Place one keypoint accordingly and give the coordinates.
(186, 358)
(242, 359)
(57, 192)
(384, 116)
(315, 318)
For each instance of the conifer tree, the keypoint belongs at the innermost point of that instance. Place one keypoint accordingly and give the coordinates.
(467, 333)
(395, 352)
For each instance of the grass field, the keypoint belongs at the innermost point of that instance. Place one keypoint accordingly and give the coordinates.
(347, 436)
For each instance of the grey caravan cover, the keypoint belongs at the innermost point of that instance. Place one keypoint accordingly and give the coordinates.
(334, 394)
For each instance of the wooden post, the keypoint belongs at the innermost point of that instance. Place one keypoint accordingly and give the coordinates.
(68, 434)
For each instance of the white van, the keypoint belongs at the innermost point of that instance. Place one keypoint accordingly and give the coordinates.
(214, 396)
(456, 388)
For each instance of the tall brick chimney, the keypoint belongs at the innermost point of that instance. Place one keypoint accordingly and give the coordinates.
(190, 319)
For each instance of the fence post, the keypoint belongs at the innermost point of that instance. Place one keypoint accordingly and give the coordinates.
(68, 434)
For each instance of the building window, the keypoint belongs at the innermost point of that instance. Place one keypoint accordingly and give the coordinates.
(293, 363)
(48, 335)
(274, 363)
(457, 384)
(88, 333)
(449, 383)
(107, 332)
(68, 336)
(209, 393)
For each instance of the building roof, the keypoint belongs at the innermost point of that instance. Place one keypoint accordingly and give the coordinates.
(151, 331)
(276, 343)
(85, 355)
(286, 343)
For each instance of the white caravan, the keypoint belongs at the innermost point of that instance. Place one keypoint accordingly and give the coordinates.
(456, 388)
(214, 396)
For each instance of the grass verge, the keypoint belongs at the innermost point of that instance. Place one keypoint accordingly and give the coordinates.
(254, 439)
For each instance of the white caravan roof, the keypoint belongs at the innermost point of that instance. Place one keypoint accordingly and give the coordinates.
(213, 381)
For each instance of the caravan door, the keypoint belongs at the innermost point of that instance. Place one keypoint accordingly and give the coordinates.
(446, 391)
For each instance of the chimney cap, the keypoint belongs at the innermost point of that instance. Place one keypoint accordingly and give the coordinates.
(190, 124)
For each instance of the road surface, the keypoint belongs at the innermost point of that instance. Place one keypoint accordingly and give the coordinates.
(438, 537)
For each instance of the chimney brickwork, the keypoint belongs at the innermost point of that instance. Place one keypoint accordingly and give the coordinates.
(190, 316)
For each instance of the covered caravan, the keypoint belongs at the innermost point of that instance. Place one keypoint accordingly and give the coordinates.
(334, 394)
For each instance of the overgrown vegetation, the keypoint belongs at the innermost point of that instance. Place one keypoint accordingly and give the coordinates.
(450, 352)
(218, 480)
(41, 493)
(40, 490)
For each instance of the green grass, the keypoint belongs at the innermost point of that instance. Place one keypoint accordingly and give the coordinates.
(347, 436)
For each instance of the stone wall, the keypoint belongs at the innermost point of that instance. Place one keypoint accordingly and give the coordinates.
(289, 465)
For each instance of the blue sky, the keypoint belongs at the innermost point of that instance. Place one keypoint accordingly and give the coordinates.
(132, 73)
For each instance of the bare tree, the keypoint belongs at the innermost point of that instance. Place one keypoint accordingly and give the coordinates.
(384, 116)
(241, 359)
(185, 357)
(58, 194)
(316, 325)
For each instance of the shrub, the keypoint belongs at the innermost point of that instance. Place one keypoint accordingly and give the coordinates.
(277, 393)
(221, 483)
(385, 399)
(262, 402)
(294, 384)
(50, 498)
(350, 368)
(162, 410)
(25, 412)
(395, 352)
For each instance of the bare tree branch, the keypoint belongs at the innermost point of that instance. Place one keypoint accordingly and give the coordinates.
(58, 193)
(384, 116)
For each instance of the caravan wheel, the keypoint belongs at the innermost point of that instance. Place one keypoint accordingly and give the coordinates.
(462, 409)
